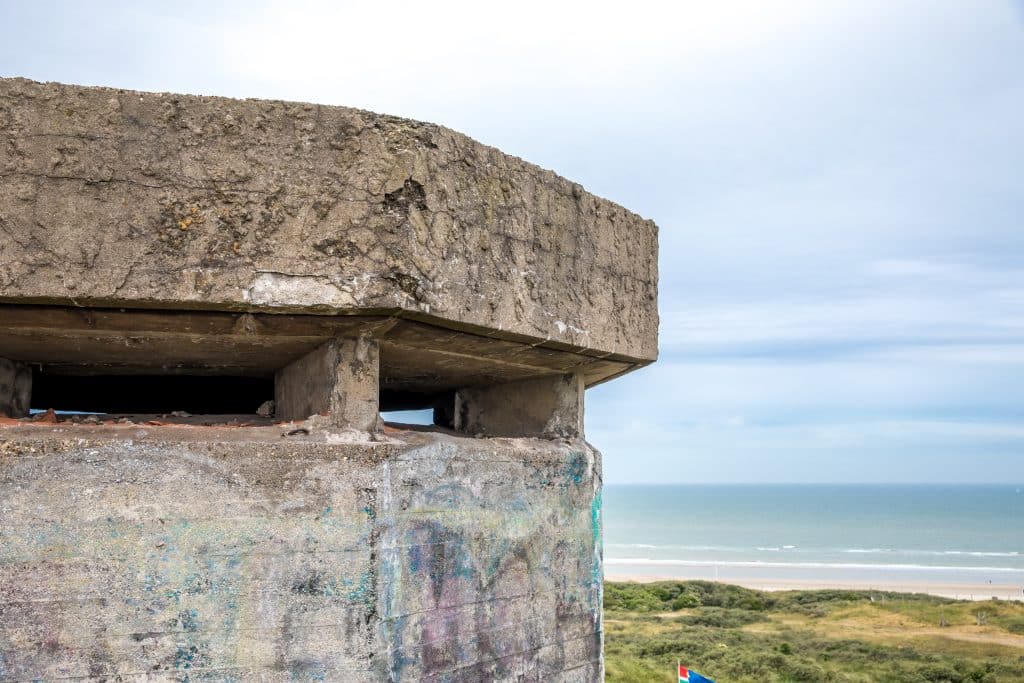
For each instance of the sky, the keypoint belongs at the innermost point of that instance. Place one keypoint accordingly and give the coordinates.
(839, 188)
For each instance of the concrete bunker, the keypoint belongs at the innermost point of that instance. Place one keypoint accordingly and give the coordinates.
(193, 258)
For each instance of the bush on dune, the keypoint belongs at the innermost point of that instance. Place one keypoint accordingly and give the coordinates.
(721, 617)
(742, 636)
(670, 596)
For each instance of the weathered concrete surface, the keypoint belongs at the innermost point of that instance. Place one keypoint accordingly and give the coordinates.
(549, 407)
(15, 388)
(352, 258)
(338, 379)
(120, 198)
(236, 554)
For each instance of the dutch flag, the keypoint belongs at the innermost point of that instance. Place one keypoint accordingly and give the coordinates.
(687, 676)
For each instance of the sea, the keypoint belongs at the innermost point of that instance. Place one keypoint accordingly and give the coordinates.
(886, 536)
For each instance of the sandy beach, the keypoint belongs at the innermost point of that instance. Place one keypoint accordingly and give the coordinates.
(973, 591)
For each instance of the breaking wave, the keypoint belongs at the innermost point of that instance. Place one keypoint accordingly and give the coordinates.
(808, 565)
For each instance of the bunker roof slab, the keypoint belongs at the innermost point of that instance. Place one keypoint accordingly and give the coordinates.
(239, 234)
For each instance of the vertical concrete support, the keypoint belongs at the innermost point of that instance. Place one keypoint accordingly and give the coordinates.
(339, 379)
(546, 407)
(15, 388)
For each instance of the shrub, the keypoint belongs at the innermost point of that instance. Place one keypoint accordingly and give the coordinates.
(1015, 625)
(718, 617)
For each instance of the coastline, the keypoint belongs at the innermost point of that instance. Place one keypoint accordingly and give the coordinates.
(952, 541)
(958, 591)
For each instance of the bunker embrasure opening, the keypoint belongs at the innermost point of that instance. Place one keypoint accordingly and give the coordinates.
(150, 393)
(217, 367)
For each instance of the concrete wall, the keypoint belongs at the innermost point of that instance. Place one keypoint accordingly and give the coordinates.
(242, 554)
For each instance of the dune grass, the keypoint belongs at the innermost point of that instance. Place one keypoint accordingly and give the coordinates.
(739, 635)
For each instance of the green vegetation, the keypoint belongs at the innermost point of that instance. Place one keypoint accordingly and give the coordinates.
(737, 635)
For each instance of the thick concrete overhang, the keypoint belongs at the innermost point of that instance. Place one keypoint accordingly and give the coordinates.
(182, 232)
(415, 358)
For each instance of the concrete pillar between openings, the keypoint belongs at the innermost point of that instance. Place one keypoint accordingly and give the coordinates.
(339, 379)
(550, 407)
(15, 388)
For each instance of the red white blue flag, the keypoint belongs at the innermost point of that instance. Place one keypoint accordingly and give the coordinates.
(687, 676)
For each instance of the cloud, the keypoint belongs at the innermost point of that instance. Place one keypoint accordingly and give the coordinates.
(404, 51)
(853, 326)
(1019, 5)
(923, 451)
